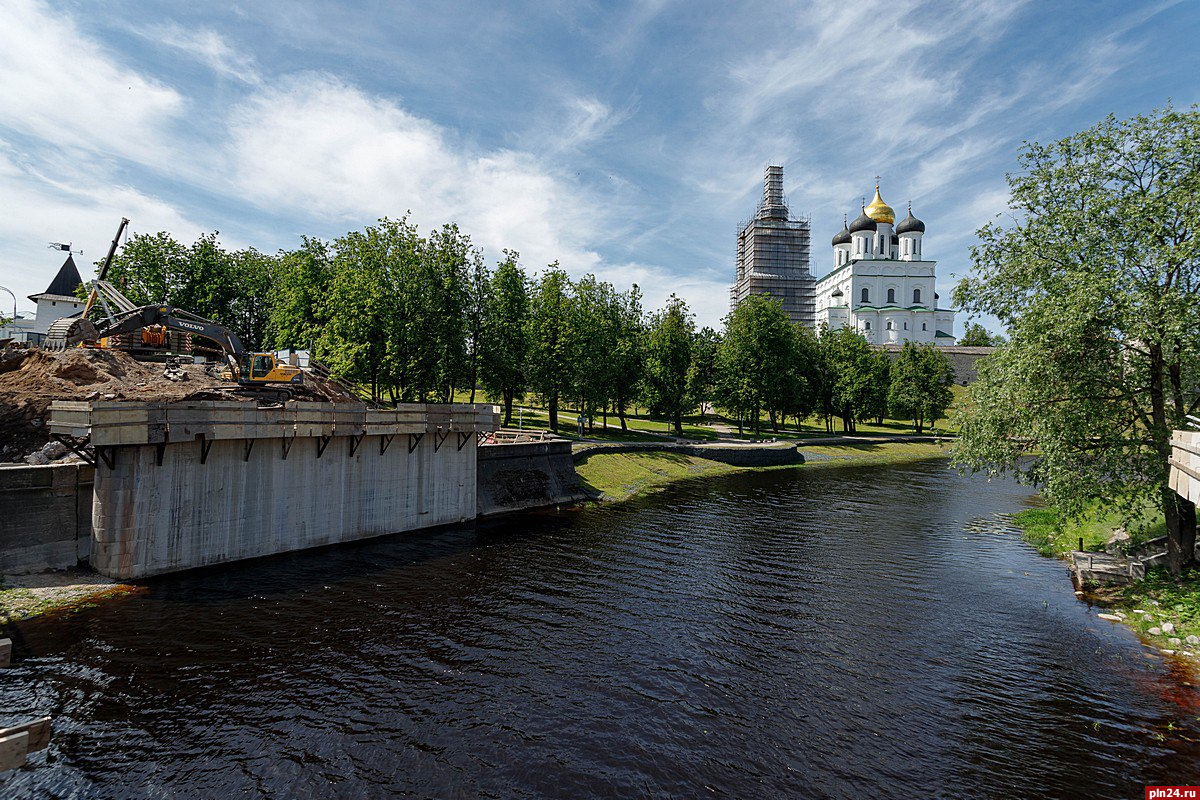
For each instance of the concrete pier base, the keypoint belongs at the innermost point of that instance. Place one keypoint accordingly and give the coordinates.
(181, 487)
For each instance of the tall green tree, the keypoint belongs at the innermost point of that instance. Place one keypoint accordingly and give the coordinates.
(628, 358)
(702, 377)
(975, 335)
(505, 349)
(668, 360)
(920, 385)
(550, 342)
(851, 374)
(758, 363)
(296, 311)
(1097, 280)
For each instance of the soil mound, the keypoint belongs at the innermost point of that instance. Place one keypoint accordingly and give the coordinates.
(31, 379)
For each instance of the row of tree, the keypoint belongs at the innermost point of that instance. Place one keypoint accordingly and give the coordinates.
(414, 317)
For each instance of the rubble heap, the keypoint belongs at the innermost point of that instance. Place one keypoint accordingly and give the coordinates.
(31, 379)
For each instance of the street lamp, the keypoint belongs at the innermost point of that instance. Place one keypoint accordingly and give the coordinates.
(14, 297)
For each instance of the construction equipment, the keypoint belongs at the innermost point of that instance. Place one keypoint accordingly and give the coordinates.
(246, 368)
(154, 322)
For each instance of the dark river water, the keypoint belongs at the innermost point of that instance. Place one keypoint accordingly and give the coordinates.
(849, 632)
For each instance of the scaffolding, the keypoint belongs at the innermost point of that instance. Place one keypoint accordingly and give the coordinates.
(773, 251)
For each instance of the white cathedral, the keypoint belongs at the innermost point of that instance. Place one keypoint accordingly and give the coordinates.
(880, 284)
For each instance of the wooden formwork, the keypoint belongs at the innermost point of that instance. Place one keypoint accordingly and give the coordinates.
(1185, 464)
(117, 423)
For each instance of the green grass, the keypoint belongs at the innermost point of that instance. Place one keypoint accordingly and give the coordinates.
(866, 453)
(1164, 600)
(1144, 605)
(622, 475)
(1053, 535)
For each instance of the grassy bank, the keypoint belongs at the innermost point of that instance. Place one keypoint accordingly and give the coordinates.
(1052, 535)
(623, 475)
(24, 596)
(1163, 610)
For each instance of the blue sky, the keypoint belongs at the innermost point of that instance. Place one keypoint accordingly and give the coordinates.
(626, 140)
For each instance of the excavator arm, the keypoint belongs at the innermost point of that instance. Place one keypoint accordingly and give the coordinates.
(176, 320)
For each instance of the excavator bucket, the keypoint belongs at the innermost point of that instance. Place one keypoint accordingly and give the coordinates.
(68, 332)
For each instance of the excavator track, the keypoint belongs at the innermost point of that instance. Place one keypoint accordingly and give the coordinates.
(68, 332)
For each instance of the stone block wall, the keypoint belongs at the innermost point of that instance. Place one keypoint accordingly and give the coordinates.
(512, 477)
(45, 517)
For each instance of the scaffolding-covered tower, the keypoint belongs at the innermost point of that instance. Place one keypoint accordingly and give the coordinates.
(772, 255)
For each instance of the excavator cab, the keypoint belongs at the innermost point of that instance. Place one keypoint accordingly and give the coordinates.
(263, 368)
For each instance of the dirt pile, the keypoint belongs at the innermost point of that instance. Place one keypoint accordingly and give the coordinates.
(31, 379)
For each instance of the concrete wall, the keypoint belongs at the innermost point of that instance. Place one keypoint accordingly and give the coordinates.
(775, 455)
(149, 519)
(528, 475)
(45, 517)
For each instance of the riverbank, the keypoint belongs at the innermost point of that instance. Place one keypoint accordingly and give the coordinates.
(1164, 612)
(24, 596)
(614, 477)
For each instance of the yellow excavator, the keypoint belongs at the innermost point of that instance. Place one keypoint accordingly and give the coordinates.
(122, 317)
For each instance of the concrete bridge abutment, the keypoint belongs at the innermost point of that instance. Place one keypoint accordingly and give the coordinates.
(187, 485)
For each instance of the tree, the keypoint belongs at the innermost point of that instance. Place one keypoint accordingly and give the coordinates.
(296, 311)
(550, 338)
(975, 335)
(758, 364)
(505, 346)
(1097, 280)
(702, 377)
(668, 359)
(920, 385)
(850, 374)
(628, 359)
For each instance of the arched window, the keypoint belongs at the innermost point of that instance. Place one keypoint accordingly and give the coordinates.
(866, 296)
(866, 325)
(923, 327)
(889, 325)
(916, 295)
(891, 295)
(906, 326)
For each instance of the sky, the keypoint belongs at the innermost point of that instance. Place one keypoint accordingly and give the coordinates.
(623, 139)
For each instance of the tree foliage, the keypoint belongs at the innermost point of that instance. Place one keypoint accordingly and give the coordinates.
(1097, 280)
(668, 362)
(919, 385)
(975, 335)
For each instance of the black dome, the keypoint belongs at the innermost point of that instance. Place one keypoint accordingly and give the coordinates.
(862, 223)
(842, 236)
(910, 224)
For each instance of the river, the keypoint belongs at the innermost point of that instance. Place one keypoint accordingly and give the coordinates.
(841, 632)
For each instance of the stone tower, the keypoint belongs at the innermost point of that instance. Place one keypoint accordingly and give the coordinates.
(773, 255)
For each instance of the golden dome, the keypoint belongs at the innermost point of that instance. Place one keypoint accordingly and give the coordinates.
(879, 210)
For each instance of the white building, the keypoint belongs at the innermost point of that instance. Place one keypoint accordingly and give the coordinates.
(881, 285)
(56, 302)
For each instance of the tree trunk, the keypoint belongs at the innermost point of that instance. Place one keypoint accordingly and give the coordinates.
(1177, 558)
(554, 412)
(508, 404)
(774, 421)
(679, 423)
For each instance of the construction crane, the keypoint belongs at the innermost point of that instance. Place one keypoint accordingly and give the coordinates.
(121, 316)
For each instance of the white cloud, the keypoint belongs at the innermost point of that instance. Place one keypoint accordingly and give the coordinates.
(64, 89)
(317, 146)
(206, 46)
(41, 208)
